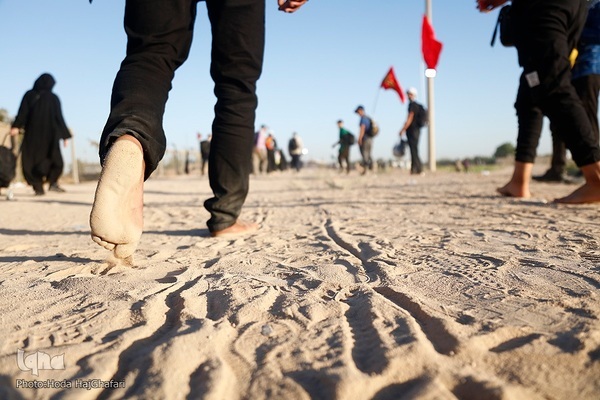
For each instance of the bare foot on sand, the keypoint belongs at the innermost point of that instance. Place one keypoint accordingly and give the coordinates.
(590, 191)
(116, 219)
(518, 186)
(582, 195)
(514, 190)
(237, 229)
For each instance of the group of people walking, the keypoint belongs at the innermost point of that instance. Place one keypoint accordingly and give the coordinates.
(411, 130)
(268, 156)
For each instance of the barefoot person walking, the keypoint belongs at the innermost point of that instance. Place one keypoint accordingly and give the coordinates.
(546, 31)
(159, 36)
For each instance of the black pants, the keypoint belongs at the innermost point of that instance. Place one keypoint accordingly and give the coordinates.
(546, 33)
(271, 165)
(296, 162)
(587, 88)
(36, 171)
(412, 136)
(159, 36)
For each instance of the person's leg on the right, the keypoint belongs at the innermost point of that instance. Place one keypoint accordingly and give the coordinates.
(547, 31)
(562, 22)
(587, 88)
(238, 36)
(558, 162)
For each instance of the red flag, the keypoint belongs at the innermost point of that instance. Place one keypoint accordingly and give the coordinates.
(430, 46)
(390, 82)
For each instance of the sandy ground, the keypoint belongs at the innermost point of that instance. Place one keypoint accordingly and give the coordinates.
(378, 287)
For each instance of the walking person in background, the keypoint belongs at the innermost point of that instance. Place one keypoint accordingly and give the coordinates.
(295, 148)
(40, 115)
(133, 141)
(365, 139)
(259, 153)
(412, 127)
(204, 152)
(346, 139)
(546, 31)
(271, 145)
(585, 77)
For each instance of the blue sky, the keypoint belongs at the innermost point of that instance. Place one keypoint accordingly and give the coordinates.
(320, 63)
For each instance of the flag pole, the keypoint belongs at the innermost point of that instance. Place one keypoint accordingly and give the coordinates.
(431, 103)
(376, 99)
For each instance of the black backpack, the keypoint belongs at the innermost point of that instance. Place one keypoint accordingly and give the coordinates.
(349, 139)
(292, 145)
(422, 116)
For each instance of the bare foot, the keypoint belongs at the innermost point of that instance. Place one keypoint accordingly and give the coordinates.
(518, 186)
(585, 194)
(513, 190)
(116, 219)
(237, 229)
(590, 191)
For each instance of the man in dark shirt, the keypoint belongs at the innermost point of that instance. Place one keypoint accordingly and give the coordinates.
(413, 131)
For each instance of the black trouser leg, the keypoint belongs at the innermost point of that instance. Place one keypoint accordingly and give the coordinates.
(237, 57)
(559, 153)
(159, 36)
(587, 88)
(56, 166)
(412, 136)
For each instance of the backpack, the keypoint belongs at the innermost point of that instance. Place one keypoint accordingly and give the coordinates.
(374, 129)
(506, 26)
(293, 145)
(422, 117)
(349, 139)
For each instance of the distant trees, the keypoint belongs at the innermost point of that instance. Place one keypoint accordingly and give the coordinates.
(505, 150)
(4, 117)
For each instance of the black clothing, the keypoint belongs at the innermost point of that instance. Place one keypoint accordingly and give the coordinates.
(271, 164)
(413, 134)
(40, 114)
(546, 32)
(587, 88)
(296, 163)
(204, 154)
(159, 39)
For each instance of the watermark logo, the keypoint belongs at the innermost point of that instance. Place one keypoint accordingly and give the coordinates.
(39, 360)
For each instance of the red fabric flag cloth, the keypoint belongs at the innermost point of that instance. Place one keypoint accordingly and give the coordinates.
(390, 82)
(430, 46)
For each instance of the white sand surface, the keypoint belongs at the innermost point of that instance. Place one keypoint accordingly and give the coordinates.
(379, 287)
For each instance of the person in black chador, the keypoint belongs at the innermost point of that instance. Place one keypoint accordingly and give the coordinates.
(40, 115)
